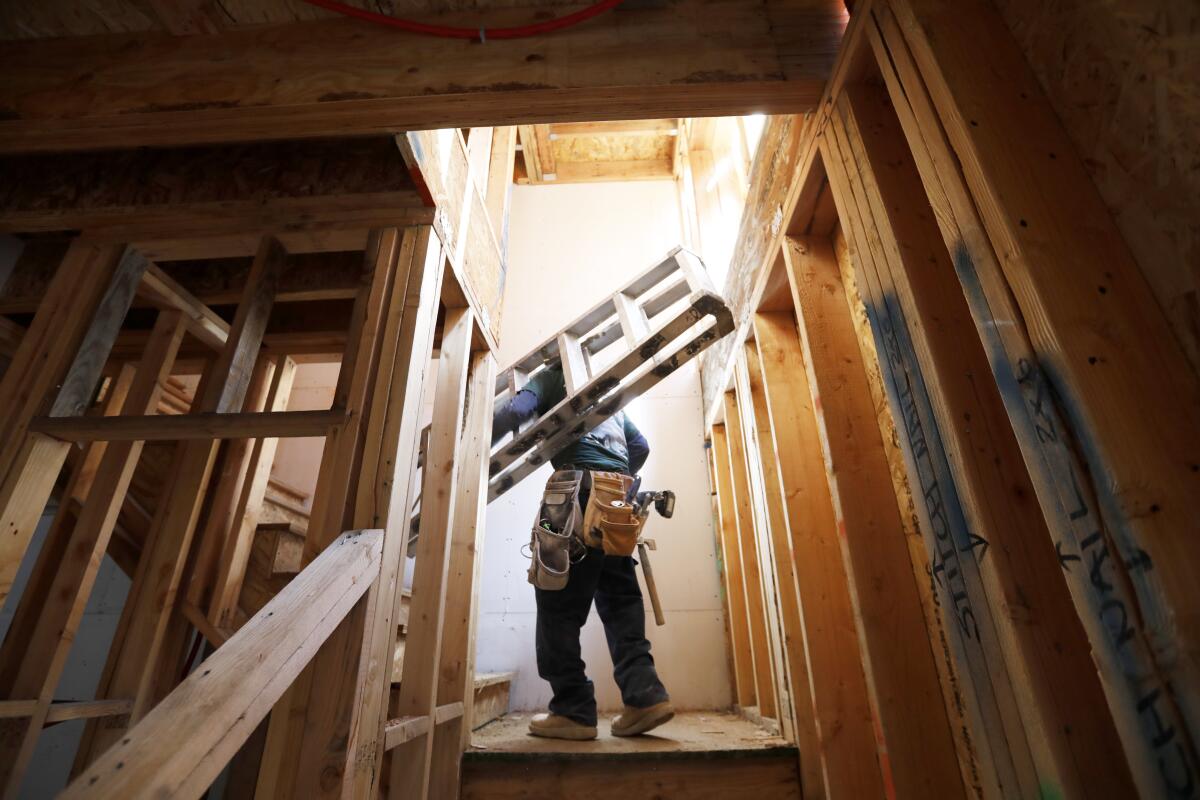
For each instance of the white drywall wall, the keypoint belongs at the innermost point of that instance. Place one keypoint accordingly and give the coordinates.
(569, 246)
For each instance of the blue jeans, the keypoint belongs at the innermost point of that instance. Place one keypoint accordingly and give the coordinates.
(611, 582)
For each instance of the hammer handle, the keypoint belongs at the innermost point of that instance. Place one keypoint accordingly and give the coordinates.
(643, 553)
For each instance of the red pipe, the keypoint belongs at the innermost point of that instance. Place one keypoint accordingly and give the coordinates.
(480, 34)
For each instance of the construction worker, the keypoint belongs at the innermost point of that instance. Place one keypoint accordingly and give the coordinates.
(615, 445)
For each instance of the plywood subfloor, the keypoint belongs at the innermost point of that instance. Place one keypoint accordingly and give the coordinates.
(706, 755)
(690, 732)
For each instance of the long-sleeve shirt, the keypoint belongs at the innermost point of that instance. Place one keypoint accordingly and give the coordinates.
(615, 445)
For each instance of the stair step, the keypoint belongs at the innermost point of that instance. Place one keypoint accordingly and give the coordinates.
(491, 697)
(707, 755)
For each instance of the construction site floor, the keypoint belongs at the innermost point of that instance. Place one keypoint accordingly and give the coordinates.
(689, 731)
(699, 755)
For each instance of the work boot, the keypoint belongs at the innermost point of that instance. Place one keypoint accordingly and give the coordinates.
(552, 726)
(633, 721)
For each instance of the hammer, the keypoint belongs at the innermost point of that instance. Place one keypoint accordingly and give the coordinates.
(664, 504)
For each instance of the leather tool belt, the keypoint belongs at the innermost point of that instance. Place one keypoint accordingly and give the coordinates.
(609, 522)
(561, 529)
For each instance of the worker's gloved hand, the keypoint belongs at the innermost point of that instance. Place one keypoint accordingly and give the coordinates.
(521, 407)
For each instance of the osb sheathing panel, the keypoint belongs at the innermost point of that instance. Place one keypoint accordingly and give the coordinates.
(613, 148)
(1124, 78)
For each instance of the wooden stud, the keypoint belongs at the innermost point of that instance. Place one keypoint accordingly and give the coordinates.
(731, 569)
(282, 761)
(800, 693)
(418, 685)
(1005, 749)
(54, 547)
(221, 518)
(236, 553)
(332, 724)
(164, 291)
(456, 674)
(1124, 400)
(1142, 704)
(220, 705)
(77, 326)
(143, 638)
(547, 166)
(60, 610)
(751, 572)
(765, 556)
(500, 181)
(839, 692)
(898, 660)
(388, 498)
(1066, 689)
(529, 153)
(202, 426)
(633, 127)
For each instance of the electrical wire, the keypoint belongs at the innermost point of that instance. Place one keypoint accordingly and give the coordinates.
(481, 33)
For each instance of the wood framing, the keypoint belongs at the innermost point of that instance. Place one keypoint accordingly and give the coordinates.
(225, 700)
(418, 694)
(752, 571)
(55, 615)
(1049, 429)
(144, 646)
(898, 662)
(731, 564)
(331, 723)
(679, 59)
(799, 695)
(840, 699)
(456, 657)
(66, 346)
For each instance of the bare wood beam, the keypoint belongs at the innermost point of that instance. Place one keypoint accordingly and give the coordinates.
(66, 345)
(596, 171)
(439, 496)
(185, 427)
(681, 58)
(387, 496)
(839, 693)
(786, 191)
(235, 554)
(804, 719)
(752, 573)
(1028, 361)
(901, 674)
(64, 710)
(222, 518)
(499, 182)
(60, 610)
(731, 564)
(456, 673)
(633, 127)
(146, 635)
(220, 705)
(163, 290)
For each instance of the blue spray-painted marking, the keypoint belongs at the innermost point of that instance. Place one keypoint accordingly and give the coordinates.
(947, 536)
(1110, 592)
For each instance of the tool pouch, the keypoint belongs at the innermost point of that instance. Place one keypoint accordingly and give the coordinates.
(555, 530)
(609, 522)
